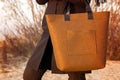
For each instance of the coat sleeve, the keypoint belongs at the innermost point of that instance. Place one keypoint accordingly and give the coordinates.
(77, 2)
(42, 1)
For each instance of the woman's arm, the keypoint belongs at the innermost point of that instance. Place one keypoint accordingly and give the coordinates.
(42, 1)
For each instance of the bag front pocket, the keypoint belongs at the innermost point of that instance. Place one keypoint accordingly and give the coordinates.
(81, 42)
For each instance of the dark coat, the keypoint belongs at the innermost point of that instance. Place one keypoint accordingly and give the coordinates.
(42, 55)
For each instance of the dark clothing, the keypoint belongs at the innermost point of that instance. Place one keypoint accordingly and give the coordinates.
(43, 49)
(47, 58)
(43, 53)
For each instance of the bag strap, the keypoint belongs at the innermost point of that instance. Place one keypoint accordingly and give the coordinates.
(100, 1)
(88, 10)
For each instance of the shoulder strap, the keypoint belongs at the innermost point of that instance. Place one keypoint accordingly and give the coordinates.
(100, 1)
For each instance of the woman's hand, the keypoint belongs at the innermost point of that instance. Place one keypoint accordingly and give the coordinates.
(42, 1)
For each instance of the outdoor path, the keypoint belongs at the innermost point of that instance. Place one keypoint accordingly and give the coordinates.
(110, 72)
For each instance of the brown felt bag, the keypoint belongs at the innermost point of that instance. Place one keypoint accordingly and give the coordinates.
(79, 42)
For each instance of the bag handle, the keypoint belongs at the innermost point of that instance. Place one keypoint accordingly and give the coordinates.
(88, 10)
(99, 1)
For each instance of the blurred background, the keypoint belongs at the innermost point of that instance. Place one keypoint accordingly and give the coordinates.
(20, 29)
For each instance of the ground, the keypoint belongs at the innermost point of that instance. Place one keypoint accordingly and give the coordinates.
(110, 72)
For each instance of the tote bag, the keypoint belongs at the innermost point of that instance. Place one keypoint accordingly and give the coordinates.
(79, 44)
